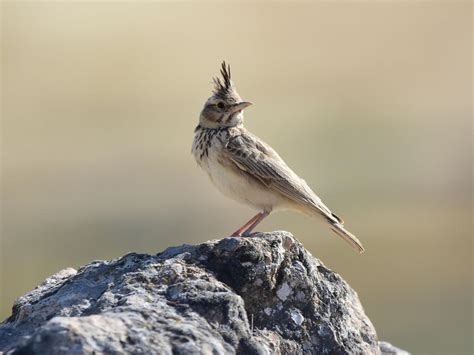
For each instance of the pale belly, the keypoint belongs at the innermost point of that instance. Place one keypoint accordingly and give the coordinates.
(240, 187)
(235, 184)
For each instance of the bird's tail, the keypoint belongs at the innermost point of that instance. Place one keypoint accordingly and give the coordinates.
(347, 236)
(336, 224)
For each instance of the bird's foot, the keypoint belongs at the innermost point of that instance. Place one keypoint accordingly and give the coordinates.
(247, 234)
(247, 228)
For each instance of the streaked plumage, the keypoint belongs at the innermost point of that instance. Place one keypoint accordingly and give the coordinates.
(248, 170)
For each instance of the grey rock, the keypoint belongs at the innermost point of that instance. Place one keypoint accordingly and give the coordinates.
(259, 295)
(389, 349)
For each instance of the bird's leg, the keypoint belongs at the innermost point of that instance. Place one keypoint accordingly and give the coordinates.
(246, 226)
(260, 218)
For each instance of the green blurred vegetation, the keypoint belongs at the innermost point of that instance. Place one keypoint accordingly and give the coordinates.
(370, 102)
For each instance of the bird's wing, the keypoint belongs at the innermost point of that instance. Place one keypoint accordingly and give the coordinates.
(260, 161)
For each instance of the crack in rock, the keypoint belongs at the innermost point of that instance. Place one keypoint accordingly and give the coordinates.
(264, 294)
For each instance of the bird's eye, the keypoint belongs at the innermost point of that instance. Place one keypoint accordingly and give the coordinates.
(221, 105)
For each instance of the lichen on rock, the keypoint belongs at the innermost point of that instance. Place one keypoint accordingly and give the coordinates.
(259, 295)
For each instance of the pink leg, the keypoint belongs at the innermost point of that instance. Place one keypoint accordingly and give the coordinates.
(260, 218)
(250, 225)
(243, 229)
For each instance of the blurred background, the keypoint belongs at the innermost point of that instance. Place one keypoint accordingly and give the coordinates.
(370, 102)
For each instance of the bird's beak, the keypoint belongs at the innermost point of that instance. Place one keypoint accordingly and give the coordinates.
(240, 106)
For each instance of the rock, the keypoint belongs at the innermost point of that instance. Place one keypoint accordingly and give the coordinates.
(259, 295)
(389, 349)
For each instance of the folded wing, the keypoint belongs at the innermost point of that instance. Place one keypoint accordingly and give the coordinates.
(262, 163)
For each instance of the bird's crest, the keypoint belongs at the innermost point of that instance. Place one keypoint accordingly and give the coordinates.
(224, 84)
(224, 88)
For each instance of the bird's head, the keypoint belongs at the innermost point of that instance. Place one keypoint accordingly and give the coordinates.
(224, 108)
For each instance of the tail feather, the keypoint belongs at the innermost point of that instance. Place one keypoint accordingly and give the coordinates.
(336, 224)
(347, 237)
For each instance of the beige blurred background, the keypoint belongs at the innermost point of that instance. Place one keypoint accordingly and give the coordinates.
(371, 102)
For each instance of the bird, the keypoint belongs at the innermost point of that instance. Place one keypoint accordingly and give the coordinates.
(246, 169)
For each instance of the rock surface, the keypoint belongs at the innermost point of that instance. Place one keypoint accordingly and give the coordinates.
(259, 295)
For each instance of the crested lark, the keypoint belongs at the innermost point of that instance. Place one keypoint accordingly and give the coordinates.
(248, 170)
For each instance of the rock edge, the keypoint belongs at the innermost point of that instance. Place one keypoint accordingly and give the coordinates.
(264, 294)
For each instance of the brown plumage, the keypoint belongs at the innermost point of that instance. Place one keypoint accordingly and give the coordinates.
(247, 169)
